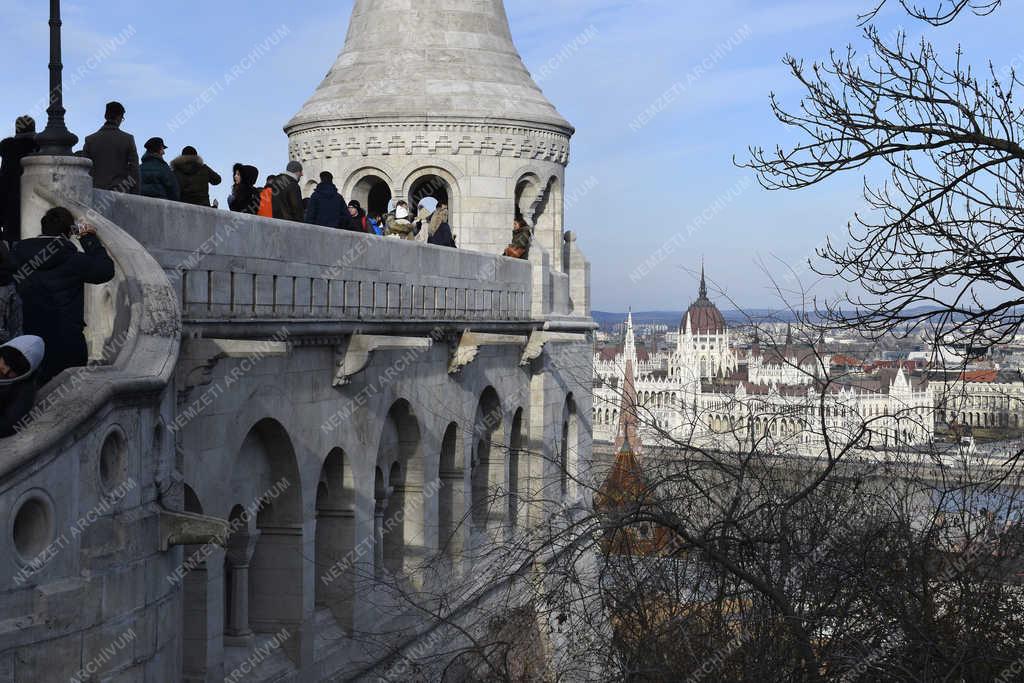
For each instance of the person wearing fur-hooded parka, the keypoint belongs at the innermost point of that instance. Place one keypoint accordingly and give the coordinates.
(194, 177)
(245, 196)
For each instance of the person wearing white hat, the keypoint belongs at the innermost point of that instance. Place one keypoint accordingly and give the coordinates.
(19, 360)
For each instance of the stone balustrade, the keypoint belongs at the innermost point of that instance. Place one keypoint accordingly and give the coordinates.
(229, 267)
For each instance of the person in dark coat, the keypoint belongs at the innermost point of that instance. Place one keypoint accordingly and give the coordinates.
(115, 158)
(288, 195)
(158, 180)
(355, 219)
(326, 205)
(10, 302)
(12, 151)
(194, 177)
(53, 290)
(440, 231)
(245, 196)
(20, 358)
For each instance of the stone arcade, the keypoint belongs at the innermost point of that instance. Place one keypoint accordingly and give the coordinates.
(326, 407)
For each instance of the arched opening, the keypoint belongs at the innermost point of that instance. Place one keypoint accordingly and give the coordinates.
(398, 516)
(429, 186)
(373, 193)
(195, 612)
(488, 472)
(451, 496)
(263, 567)
(335, 538)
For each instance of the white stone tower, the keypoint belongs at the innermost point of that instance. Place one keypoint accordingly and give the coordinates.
(432, 98)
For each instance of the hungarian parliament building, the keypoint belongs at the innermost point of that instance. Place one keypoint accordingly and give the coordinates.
(711, 392)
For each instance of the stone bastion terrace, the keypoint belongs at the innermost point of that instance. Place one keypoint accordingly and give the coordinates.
(282, 426)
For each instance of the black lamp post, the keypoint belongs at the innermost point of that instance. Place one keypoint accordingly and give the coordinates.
(56, 139)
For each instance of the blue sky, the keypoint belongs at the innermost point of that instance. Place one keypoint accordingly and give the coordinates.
(638, 187)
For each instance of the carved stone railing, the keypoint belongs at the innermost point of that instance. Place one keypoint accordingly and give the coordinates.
(141, 330)
(232, 268)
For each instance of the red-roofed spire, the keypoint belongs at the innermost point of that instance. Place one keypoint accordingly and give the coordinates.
(628, 437)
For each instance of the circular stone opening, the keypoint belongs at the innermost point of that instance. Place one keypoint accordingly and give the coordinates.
(112, 460)
(33, 528)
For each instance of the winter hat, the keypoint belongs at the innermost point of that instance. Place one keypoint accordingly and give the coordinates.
(25, 125)
(293, 167)
(114, 111)
(155, 145)
(30, 348)
(189, 151)
(355, 205)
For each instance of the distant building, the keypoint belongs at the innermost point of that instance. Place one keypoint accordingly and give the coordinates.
(708, 390)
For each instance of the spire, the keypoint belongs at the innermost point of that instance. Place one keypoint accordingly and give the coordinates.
(429, 61)
(629, 343)
(789, 335)
(628, 438)
(703, 291)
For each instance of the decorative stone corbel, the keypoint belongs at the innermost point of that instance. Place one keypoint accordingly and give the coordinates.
(469, 346)
(200, 356)
(356, 355)
(540, 338)
(186, 528)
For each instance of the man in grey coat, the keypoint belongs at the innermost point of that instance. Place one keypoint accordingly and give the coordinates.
(115, 159)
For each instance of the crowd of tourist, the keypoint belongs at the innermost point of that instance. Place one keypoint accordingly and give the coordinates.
(42, 279)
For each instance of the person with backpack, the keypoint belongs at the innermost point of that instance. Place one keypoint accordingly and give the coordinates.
(194, 177)
(326, 205)
(357, 218)
(267, 198)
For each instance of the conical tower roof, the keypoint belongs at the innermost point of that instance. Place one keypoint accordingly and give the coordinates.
(432, 60)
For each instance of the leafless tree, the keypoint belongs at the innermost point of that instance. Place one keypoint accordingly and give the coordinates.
(941, 242)
(743, 557)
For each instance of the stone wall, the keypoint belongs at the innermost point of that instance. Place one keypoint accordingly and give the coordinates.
(266, 420)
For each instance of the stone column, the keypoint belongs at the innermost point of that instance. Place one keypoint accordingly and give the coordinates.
(335, 541)
(278, 587)
(61, 175)
(451, 510)
(239, 556)
(380, 505)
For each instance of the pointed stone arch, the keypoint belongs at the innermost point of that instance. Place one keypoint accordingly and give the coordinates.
(335, 537)
(451, 494)
(399, 512)
(487, 474)
(264, 578)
